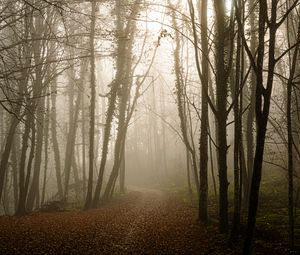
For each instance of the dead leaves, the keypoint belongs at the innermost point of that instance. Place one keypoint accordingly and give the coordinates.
(138, 223)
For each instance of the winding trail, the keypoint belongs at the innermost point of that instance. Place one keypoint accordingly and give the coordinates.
(141, 222)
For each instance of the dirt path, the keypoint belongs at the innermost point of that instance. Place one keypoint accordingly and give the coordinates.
(141, 222)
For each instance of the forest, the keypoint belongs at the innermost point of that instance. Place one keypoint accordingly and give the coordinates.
(149, 127)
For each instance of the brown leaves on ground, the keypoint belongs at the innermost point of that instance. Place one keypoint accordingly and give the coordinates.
(139, 223)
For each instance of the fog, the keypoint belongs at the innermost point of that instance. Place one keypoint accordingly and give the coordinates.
(143, 103)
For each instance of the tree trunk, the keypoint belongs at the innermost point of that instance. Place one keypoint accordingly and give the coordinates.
(290, 139)
(188, 171)
(88, 201)
(221, 103)
(115, 86)
(203, 194)
(180, 100)
(33, 195)
(83, 143)
(237, 98)
(15, 162)
(46, 131)
(122, 174)
(123, 120)
(262, 108)
(251, 111)
(22, 196)
(54, 139)
(70, 149)
(8, 145)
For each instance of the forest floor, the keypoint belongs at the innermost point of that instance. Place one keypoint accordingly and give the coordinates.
(140, 222)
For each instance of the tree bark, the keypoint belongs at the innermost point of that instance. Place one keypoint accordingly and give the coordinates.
(7, 149)
(203, 193)
(46, 132)
(88, 201)
(290, 139)
(251, 111)
(262, 108)
(70, 149)
(54, 139)
(221, 106)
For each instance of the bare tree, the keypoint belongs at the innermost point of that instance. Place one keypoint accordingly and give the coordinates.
(267, 20)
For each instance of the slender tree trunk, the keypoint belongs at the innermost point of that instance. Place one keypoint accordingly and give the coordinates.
(15, 162)
(157, 161)
(46, 131)
(5, 199)
(76, 178)
(237, 141)
(290, 166)
(7, 149)
(188, 171)
(123, 120)
(88, 201)
(254, 191)
(262, 108)
(203, 194)
(221, 103)
(22, 196)
(212, 169)
(122, 174)
(115, 86)
(31, 157)
(39, 89)
(291, 142)
(251, 111)
(119, 155)
(83, 144)
(70, 150)
(180, 100)
(56, 151)
(163, 130)
(33, 195)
